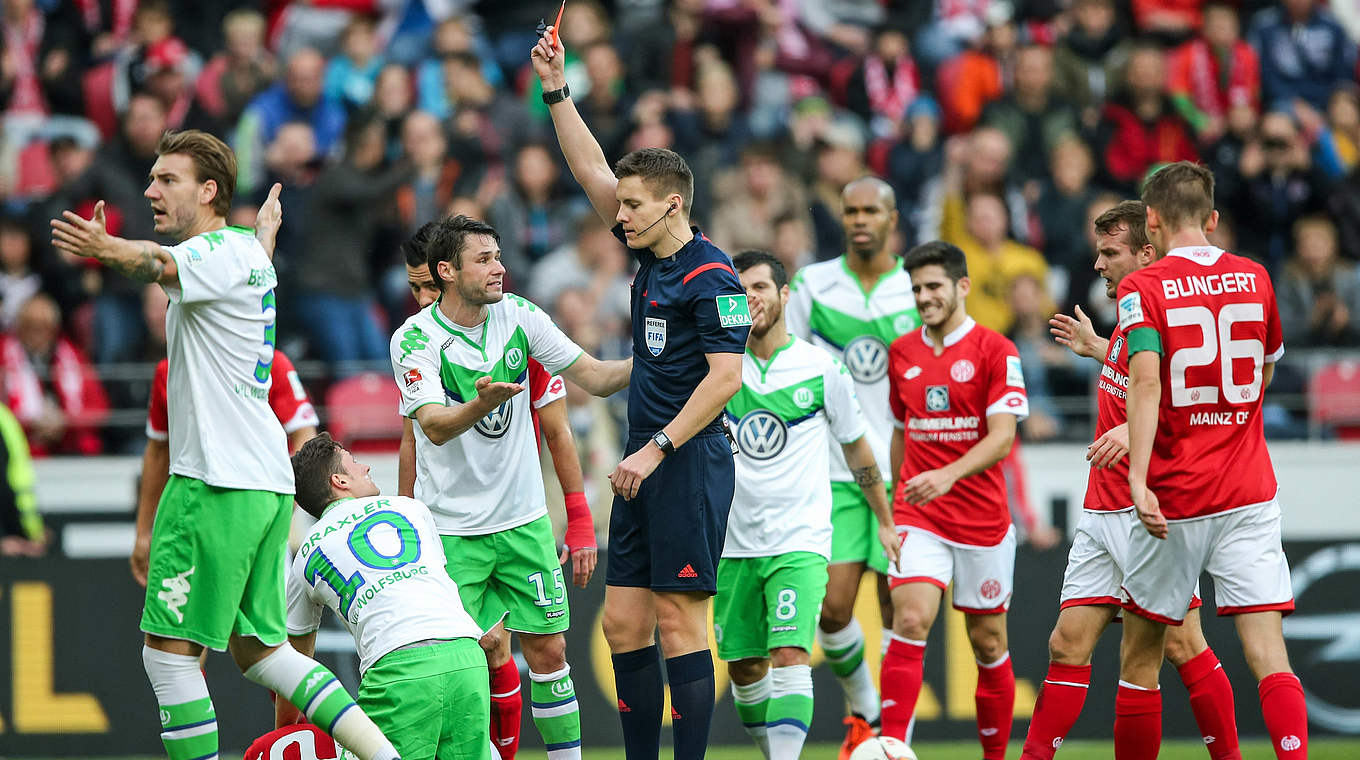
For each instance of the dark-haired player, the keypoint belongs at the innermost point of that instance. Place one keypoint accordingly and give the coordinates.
(461, 364)
(957, 392)
(1203, 337)
(674, 487)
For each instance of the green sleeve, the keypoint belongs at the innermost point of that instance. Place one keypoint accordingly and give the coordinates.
(19, 475)
(1145, 339)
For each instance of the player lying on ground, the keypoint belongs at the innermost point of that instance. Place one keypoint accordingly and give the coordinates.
(1095, 565)
(377, 563)
(793, 399)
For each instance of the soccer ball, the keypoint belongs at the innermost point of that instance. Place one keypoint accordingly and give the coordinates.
(883, 748)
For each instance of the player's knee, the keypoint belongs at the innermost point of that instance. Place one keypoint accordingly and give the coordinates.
(835, 615)
(747, 671)
(911, 622)
(988, 643)
(1069, 646)
(624, 632)
(783, 657)
(496, 645)
(1181, 647)
(545, 654)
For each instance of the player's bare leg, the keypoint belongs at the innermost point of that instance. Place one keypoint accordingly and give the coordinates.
(751, 696)
(555, 710)
(1211, 695)
(629, 628)
(915, 607)
(774, 699)
(842, 638)
(507, 700)
(312, 688)
(995, 694)
(1138, 705)
(682, 623)
(1282, 700)
(1065, 687)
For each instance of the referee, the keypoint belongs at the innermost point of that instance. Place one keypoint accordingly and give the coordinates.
(674, 488)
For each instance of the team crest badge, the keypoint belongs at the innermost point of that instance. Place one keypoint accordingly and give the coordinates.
(656, 335)
(514, 358)
(937, 398)
(962, 371)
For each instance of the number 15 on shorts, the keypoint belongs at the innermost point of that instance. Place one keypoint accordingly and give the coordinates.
(540, 590)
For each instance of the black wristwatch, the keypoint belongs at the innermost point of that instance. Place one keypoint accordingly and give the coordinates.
(663, 442)
(557, 96)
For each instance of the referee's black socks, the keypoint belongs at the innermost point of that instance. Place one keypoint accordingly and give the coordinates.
(637, 679)
(691, 679)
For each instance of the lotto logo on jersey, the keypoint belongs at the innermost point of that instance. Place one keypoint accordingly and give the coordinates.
(656, 335)
(733, 311)
(937, 398)
(1130, 310)
(761, 435)
(867, 358)
(497, 422)
(411, 376)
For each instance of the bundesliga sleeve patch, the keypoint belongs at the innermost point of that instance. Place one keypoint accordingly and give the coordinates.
(1130, 310)
(1015, 377)
(412, 377)
(733, 311)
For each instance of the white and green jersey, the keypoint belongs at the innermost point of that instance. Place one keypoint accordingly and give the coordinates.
(786, 412)
(487, 479)
(829, 308)
(219, 334)
(379, 564)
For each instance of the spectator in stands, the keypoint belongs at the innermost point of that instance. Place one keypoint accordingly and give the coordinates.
(957, 26)
(1064, 199)
(1087, 61)
(133, 150)
(839, 158)
(1343, 126)
(338, 305)
(167, 73)
(594, 263)
(299, 97)
(885, 84)
(660, 56)
(1319, 294)
(21, 527)
(912, 163)
(713, 130)
(291, 160)
(748, 198)
(19, 280)
(969, 81)
(486, 124)
(977, 163)
(243, 69)
(1214, 73)
(1169, 21)
(1039, 355)
(50, 385)
(535, 212)
(393, 98)
(792, 242)
(42, 59)
(604, 107)
(1032, 115)
(436, 176)
(1280, 184)
(352, 73)
(451, 36)
(1140, 128)
(995, 262)
(1304, 53)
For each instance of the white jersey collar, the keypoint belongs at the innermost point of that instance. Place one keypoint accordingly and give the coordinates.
(1204, 255)
(951, 338)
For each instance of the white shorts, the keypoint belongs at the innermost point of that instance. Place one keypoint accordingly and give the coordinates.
(983, 576)
(1095, 564)
(1240, 550)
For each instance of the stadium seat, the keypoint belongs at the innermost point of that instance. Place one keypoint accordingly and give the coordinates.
(1334, 398)
(362, 412)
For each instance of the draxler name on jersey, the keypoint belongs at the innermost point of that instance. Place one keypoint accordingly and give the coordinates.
(867, 359)
(497, 421)
(761, 434)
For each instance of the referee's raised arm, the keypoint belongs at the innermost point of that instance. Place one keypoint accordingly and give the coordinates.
(584, 156)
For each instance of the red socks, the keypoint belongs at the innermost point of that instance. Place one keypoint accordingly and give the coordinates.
(1060, 701)
(1285, 714)
(1211, 700)
(507, 703)
(1137, 723)
(900, 684)
(995, 699)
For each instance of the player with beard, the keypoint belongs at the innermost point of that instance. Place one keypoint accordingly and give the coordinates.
(1090, 593)
(957, 392)
(854, 307)
(772, 575)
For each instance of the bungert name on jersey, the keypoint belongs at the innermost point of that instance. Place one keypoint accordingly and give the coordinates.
(1209, 284)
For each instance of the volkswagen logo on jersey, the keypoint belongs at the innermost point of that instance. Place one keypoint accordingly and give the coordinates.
(937, 398)
(656, 335)
(494, 424)
(514, 358)
(761, 434)
(867, 359)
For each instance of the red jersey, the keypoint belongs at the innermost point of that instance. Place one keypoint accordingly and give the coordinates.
(287, 398)
(1212, 317)
(943, 403)
(298, 742)
(544, 389)
(1107, 490)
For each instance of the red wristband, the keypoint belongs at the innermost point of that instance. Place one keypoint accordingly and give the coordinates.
(580, 524)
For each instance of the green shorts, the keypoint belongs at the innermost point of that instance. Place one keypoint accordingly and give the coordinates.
(854, 529)
(432, 701)
(217, 564)
(767, 602)
(512, 574)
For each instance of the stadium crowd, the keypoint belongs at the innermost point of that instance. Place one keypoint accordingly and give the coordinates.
(1005, 128)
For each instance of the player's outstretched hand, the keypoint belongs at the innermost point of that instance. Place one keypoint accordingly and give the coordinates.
(1149, 511)
(548, 57)
(140, 559)
(1077, 334)
(927, 486)
(583, 562)
(83, 237)
(627, 478)
(494, 394)
(1110, 447)
(891, 541)
(269, 219)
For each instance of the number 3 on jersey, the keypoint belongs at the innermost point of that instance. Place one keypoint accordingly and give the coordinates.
(265, 364)
(319, 566)
(1217, 343)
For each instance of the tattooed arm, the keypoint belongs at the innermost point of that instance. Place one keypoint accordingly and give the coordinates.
(860, 458)
(141, 260)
